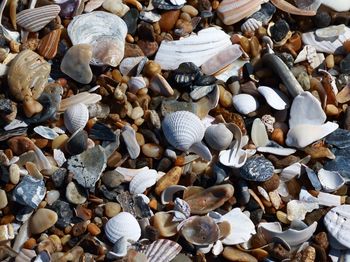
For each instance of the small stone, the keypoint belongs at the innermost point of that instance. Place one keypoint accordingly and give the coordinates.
(3, 199)
(137, 112)
(330, 61)
(322, 19)
(172, 177)
(132, 50)
(112, 179)
(225, 97)
(278, 136)
(112, 209)
(345, 65)
(130, 19)
(257, 168)
(64, 212)
(114, 159)
(76, 63)
(29, 192)
(116, 7)
(151, 69)
(59, 141)
(20, 144)
(30, 243)
(308, 254)
(6, 233)
(58, 177)
(233, 254)
(190, 10)
(168, 20)
(147, 47)
(279, 30)
(152, 150)
(79, 228)
(75, 194)
(280, 252)
(271, 184)
(346, 46)
(14, 174)
(49, 44)
(42, 220)
(93, 229)
(322, 240)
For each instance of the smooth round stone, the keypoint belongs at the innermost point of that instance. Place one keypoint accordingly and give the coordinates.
(14, 174)
(42, 220)
(64, 212)
(58, 177)
(20, 144)
(112, 209)
(257, 168)
(75, 194)
(233, 254)
(52, 196)
(322, 19)
(152, 150)
(136, 113)
(3, 199)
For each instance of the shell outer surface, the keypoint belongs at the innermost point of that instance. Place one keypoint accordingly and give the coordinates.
(123, 225)
(182, 129)
(76, 117)
(162, 250)
(142, 181)
(257, 168)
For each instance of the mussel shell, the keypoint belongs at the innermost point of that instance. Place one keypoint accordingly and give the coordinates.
(100, 131)
(77, 143)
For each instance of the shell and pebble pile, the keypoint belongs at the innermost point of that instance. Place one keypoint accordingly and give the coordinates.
(174, 130)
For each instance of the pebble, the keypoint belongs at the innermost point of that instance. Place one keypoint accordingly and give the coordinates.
(3, 199)
(20, 144)
(152, 150)
(172, 177)
(137, 113)
(322, 19)
(112, 209)
(345, 65)
(168, 20)
(75, 194)
(279, 30)
(189, 9)
(257, 168)
(42, 220)
(64, 213)
(14, 171)
(58, 177)
(233, 254)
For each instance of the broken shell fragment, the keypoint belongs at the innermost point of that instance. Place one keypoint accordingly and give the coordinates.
(162, 250)
(129, 137)
(251, 25)
(330, 180)
(163, 221)
(123, 225)
(272, 97)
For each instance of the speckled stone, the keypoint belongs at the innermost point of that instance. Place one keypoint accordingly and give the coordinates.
(279, 30)
(64, 213)
(58, 177)
(29, 192)
(257, 168)
(339, 138)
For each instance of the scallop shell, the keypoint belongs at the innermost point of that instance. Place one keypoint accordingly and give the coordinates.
(185, 131)
(251, 25)
(33, 20)
(330, 180)
(272, 97)
(105, 32)
(337, 222)
(76, 117)
(142, 181)
(218, 137)
(245, 103)
(123, 225)
(162, 250)
(83, 97)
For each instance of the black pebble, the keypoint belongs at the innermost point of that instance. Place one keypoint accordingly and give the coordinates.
(279, 30)
(322, 19)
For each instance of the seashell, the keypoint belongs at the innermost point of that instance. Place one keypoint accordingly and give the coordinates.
(123, 225)
(339, 6)
(166, 5)
(296, 210)
(45, 132)
(83, 97)
(245, 103)
(330, 180)
(92, 5)
(76, 117)
(129, 136)
(330, 33)
(130, 173)
(280, 151)
(88, 166)
(218, 137)
(293, 237)
(222, 59)
(337, 224)
(160, 85)
(105, 32)
(78, 142)
(259, 134)
(233, 11)
(35, 19)
(257, 168)
(69, 8)
(242, 228)
(272, 97)
(162, 250)
(129, 63)
(251, 25)
(200, 230)
(304, 134)
(291, 9)
(142, 181)
(48, 45)
(165, 224)
(41, 160)
(59, 157)
(28, 75)
(120, 249)
(184, 131)
(310, 54)
(136, 83)
(168, 194)
(195, 48)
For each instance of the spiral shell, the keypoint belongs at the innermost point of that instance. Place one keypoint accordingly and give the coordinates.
(76, 117)
(123, 225)
(250, 25)
(182, 129)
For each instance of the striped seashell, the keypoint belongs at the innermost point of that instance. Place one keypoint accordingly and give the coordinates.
(76, 117)
(123, 225)
(48, 44)
(33, 20)
(162, 250)
(142, 181)
(233, 11)
(250, 25)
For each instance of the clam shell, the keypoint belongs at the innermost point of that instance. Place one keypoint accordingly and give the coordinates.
(272, 97)
(33, 20)
(245, 103)
(105, 32)
(250, 25)
(195, 48)
(45, 132)
(142, 181)
(123, 225)
(218, 137)
(83, 97)
(337, 222)
(129, 137)
(76, 117)
(162, 250)
(330, 180)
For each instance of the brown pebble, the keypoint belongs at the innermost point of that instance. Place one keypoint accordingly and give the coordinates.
(42, 220)
(93, 229)
(48, 45)
(168, 20)
(322, 240)
(152, 150)
(308, 254)
(80, 228)
(172, 177)
(151, 69)
(272, 183)
(59, 141)
(233, 254)
(225, 97)
(280, 252)
(112, 209)
(41, 142)
(278, 136)
(346, 46)
(147, 47)
(31, 107)
(330, 61)
(20, 144)
(30, 243)
(132, 50)
(114, 159)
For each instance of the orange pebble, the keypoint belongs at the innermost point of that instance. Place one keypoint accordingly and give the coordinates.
(153, 204)
(93, 229)
(278, 136)
(30, 243)
(346, 46)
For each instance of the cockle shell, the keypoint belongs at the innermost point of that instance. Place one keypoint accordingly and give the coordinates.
(185, 131)
(330, 180)
(28, 75)
(76, 117)
(142, 181)
(272, 97)
(105, 32)
(123, 225)
(218, 137)
(250, 25)
(245, 103)
(233, 11)
(33, 20)
(162, 250)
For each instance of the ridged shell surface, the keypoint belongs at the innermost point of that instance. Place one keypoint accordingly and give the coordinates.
(123, 225)
(75, 117)
(36, 19)
(142, 181)
(337, 222)
(250, 25)
(102, 30)
(162, 250)
(182, 129)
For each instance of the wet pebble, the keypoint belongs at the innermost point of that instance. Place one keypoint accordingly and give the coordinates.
(3, 199)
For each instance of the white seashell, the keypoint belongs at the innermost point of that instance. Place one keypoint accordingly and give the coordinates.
(306, 109)
(330, 33)
(330, 180)
(33, 20)
(185, 131)
(142, 181)
(339, 5)
(264, 193)
(3, 70)
(280, 151)
(217, 248)
(305, 134)
(84, 98)
(92, 5)
(149, 16)
(45, 132)
(242, 228)
(290, 172)
(59, 157)
(120, 249)
(178, 2)
(76, 117)
(310, 54)
(129, 63)
(272, 97)
(337, 222)
(251, 25)
(296, 210)
(195, 48)
(245, 103)
(41, 161)
(123, 225)
(218, 137)
(259, 134)
(292, 236)
(313, 178)
(168, 194)
(231, 70)
(136, 83)
(105, 32)
(162, 250)
(129, 136)
(130, 173)
(15, 124)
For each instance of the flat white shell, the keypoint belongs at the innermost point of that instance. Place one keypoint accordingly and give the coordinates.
(245, 103)
(296, 210)
(45, 132)
(76, 117)
(123, 225)
(337, 222)
(259, 134)
(280, 151)
(330, 180)
(142, 181)
(218, 136)
(272, 97)
(250, 25)
(330, 33)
